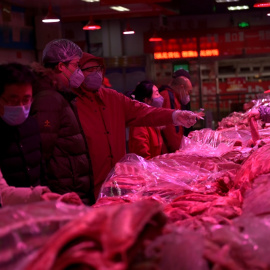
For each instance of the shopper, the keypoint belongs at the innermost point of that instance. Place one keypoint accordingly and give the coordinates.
(176, 96)
(20, 143)
(105, 113)
(146, 141)
(63, 142)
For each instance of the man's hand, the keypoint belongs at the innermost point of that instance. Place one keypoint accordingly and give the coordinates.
(50, 196)
(186, 118)
(254, 113)
(69, 198)
(200, 115)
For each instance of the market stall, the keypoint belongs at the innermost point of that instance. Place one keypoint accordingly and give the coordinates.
(204, 207)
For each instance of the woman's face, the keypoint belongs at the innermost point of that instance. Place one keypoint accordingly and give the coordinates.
(156, 93)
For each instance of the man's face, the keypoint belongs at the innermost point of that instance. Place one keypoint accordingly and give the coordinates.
(16, 95)
(188, 87)
(72, 66)
(66, 70)
(91, 67)
(93, 74)
(185, 90)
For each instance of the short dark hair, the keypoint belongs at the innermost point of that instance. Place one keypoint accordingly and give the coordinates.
(15, 73)
(181, 73)
(143, 90)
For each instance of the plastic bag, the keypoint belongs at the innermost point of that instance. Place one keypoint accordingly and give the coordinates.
(165, 176)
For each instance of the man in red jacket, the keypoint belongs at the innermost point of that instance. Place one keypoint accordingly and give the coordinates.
(176, 96)
(104, 114)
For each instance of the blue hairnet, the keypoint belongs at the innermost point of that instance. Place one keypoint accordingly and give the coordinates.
(60, 50)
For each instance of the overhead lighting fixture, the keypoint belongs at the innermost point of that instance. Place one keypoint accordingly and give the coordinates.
(226, 1)
(262, 4)
(155, 38)
(90, 1)
(268, 14)
(50, 17)
(233, 8)
(119, 8)
(128, 30)
(91, 25)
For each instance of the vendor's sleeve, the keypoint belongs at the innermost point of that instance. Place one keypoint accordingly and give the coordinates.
(139, 142)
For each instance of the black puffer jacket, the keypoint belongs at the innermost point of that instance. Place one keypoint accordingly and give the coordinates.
(64, 147)
(20, 154)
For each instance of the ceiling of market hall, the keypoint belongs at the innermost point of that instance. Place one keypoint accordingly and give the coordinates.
(78, 10)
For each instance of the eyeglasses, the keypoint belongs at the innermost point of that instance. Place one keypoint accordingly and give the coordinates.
(76, 65)
(93, 69)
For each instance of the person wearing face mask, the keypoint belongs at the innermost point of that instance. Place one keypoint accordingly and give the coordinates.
(22, 171)
(104, 114)
(64, 145)
(176, 96)
(20, 155)
(146, 142)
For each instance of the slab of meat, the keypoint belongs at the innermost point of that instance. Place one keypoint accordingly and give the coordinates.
(104, 238)
(177, 251)
(256, 164)
(256, 199)
(254, 129)
(242, 245)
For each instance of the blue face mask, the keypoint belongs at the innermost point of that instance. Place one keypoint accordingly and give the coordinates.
(76, 79)
(16, 115)
(157, 102)
(93, 81)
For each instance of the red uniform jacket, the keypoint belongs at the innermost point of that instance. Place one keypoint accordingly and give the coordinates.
(104, 116)
(145, 141)
(172, 135)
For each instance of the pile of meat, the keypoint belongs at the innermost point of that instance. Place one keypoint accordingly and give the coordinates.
(204, 207)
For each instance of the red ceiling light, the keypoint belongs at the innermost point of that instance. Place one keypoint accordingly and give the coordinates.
(91, 25)
(50, 17)
(155, 38)
(262, 4)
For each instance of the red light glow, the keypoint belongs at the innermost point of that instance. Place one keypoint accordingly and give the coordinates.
(155, 39)
(261, 5)
(91, 27)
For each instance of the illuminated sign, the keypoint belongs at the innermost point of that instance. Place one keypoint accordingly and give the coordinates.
(167, 55)
(185, 54)
(207, 53)
(243, 24)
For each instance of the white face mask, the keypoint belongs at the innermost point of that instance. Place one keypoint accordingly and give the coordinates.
(185, 100)
(16, 115)
(157, 102)
(93, 81)
(76, 79)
